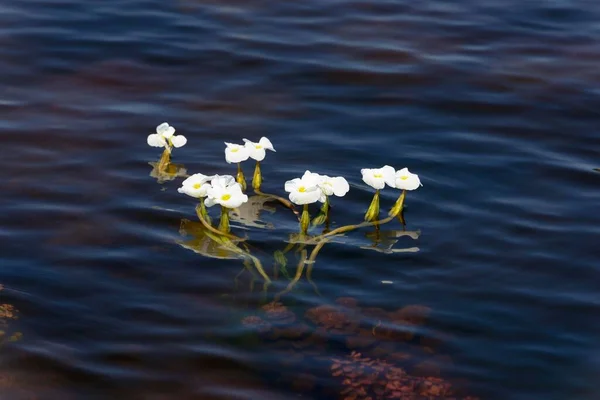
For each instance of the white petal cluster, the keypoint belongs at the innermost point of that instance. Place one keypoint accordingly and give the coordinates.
(305, 190)
(165, 137)
(225, 191)
(236, 153)
(377, 178)
(337, 186)
(257, 151)
(406, 180)
(196, 185)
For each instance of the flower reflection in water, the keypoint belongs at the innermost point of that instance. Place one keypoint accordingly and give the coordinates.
(384, 241)
(163, 170)
(204, 242)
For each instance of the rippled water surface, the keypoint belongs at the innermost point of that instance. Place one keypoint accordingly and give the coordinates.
(494, 103)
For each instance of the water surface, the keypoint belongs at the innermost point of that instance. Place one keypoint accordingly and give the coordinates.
(494, 104)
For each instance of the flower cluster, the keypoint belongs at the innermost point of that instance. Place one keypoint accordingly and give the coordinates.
(212, 190)
(313, 187)
(386, 175)
(228, 192)
(165, 137)
(237, 153)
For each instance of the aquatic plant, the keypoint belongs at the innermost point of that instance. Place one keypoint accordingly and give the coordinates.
(228, 192)
(165, 137)
(377, 179)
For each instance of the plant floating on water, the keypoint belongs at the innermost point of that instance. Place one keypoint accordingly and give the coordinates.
(236, 154)
(304, 191)
(329, 186)
(165, 137)
(258, 153)
(377, 178)
(228, 192)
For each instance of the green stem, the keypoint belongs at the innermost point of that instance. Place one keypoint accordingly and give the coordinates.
(241, 179)
(304, 220)
(165, 160)
(201, 211)
(257, 178)
(224, 222)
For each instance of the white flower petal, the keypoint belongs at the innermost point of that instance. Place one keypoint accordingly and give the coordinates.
(162, 128)
(388, 175)
(266, 143)
(170, 131)
(235, 153)
(292, 185)
(340, 186)
(305, 197)
(406, 180)
(222, 181)
(198, 178)
(209, 202)
(178, 140)
(255, 150)
(156, 140)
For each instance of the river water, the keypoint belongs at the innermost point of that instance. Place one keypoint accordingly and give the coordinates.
(111, 289)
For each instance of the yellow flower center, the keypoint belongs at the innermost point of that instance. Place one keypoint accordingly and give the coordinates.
(197, 186)
(235, 150)
(377, 175)
(258, 147)
(225, 197)
(405, 177)
(302, 189)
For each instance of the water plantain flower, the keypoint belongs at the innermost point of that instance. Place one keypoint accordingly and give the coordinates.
(196, 185)
(257, 150)
(305, 190)
(329, 186)
(406, 180)
(377, 178)
(165, 137)
(337, 186)
(225, 191)
(236, 153)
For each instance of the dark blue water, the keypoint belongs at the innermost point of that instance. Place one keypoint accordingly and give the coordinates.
(495, 104)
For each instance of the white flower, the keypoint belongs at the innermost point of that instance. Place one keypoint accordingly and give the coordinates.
(225, 191)
(165, 136)
(196, 185)
(406, 180)
(236, 153)
(337, 186)
(305, 190)
(378, 177)
(257, 150)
